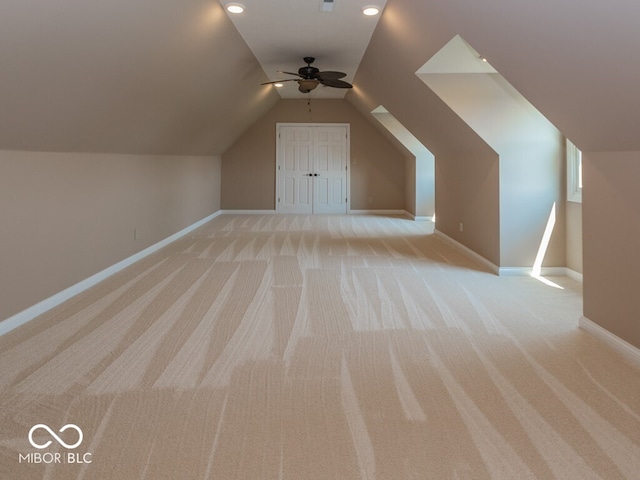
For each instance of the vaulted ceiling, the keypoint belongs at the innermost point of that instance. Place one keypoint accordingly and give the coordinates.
(281, 33)
(167, 77)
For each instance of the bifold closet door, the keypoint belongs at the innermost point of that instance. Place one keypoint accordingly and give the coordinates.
(312, 169)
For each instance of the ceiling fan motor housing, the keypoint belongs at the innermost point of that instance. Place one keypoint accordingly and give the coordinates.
(308, 71)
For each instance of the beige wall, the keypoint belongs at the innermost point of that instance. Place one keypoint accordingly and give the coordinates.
(67, 216)
(410, 185)
(466, 168)
(425, 185)
(574, 236)
(467, 192)
(420, 171)
(531, 192)
(611, 223)
(377, 167)
(531, 154)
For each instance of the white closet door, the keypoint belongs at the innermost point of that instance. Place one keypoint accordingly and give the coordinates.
(295, 170)
(312, 169)
(330, 180)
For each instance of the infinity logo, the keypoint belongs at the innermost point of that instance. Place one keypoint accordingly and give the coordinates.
(58, 439)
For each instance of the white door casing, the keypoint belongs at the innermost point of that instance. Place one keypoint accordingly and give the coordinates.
(312, 168)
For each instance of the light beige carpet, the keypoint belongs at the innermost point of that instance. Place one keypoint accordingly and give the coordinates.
(293, 347)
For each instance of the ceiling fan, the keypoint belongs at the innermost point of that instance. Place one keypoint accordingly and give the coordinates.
(311, 77)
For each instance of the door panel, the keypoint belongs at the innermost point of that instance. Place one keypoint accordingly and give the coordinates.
(321, 192)
(337, 191)
(304, 193)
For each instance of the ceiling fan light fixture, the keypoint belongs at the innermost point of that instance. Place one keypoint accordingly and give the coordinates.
(235, 7)
(307, 85)
(371, 10)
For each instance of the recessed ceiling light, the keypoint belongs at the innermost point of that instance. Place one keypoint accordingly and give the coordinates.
(371, 10)
(278, 85)
(235, 7)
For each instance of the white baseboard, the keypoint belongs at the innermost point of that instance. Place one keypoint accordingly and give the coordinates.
(351, 212)
(39, 308)
(418, 218)
(466, 250)
(377, 212)
(248, 212)
(528, 271)
(509, 271)
(577, 276)
(628, 351)
(545, 272)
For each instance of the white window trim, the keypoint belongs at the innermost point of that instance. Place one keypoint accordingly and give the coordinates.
(574, 173)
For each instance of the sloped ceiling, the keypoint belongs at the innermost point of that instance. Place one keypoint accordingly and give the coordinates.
(578, 64)
(406, 37)
(576, 61)
(167, 77)
(125, 76)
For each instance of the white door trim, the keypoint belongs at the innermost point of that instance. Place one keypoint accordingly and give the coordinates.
(303, 124)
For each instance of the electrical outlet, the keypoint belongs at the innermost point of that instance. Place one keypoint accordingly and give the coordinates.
(461, 227)
(135, 234)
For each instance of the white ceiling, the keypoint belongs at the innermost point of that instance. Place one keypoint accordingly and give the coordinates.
(281, 32)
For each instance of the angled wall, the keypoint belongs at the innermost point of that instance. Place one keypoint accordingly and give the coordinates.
(420, 198)
(578, 65)
(466, 167)
(531, 151)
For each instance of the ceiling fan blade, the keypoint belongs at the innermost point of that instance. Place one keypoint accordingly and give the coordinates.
(335, 83)
(280, 81)
(329, 75)
(310, 77)
(290, 73)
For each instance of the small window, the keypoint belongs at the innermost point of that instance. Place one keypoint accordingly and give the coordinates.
(574, 173)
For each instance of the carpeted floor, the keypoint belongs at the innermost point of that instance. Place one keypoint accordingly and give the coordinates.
(293, 347)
